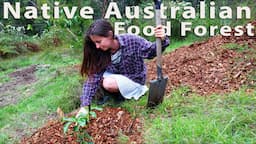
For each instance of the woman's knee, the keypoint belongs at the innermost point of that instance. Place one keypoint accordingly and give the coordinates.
(110, 84)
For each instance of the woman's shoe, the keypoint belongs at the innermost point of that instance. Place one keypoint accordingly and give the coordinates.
(118, 98)
(103, 100)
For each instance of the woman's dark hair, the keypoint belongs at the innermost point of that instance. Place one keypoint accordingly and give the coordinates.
(95, 60)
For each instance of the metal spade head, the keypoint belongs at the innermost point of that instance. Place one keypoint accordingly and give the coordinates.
(156, 91)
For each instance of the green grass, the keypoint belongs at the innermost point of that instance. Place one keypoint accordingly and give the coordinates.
(56, 86)
(188, 118)
(229, 118)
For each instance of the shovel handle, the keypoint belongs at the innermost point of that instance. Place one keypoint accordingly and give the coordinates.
(157, 4)
(158, 40)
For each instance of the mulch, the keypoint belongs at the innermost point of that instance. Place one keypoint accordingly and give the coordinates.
(208, 67)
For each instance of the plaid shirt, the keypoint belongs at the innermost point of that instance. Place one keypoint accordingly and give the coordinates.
(134, 49)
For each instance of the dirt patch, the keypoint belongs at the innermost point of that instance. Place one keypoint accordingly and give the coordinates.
(106, 128)
(10, 93)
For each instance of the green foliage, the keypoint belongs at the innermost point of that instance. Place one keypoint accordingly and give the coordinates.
(80, 121)
(37, 25)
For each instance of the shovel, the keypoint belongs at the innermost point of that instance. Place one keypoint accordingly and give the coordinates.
(157, 86)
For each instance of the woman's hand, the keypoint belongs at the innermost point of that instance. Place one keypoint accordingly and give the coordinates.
(160, 32)
(83, 112)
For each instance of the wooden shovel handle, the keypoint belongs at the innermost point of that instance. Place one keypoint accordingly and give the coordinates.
(158, 40)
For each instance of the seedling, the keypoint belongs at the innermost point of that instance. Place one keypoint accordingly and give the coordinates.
(79, 122)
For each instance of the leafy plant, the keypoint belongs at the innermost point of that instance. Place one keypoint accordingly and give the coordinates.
(79, 122)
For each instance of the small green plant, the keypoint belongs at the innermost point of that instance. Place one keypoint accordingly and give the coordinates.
(79, 122)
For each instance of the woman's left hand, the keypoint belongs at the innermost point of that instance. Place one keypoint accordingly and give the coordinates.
(160, 32)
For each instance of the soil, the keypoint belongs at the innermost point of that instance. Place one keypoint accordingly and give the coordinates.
(206, 67)
(10, 93)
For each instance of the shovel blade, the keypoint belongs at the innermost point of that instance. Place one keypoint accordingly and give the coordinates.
(156, 92)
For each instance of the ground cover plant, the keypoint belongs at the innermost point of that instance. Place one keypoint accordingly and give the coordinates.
(80, 121)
